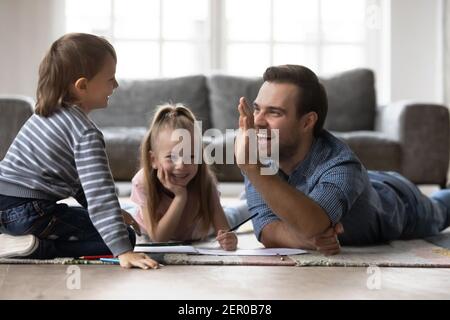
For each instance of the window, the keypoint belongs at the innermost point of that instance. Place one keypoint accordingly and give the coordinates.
(155, 38)
(152, 38)
(326, 35)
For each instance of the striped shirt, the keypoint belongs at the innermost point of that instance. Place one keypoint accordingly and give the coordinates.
(61, 156)
(332, 176)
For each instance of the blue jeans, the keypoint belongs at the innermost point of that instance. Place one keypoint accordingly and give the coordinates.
(63, 231)
(424, 216)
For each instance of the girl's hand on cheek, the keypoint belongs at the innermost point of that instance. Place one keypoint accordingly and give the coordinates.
(169, 184)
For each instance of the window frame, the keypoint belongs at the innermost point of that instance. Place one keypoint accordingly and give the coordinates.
(217, 43)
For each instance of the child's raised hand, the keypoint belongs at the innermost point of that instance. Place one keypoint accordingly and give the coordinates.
(227, 240)
(140, 260)
(167, 182)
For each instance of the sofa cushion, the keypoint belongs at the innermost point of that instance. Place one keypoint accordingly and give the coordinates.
(134, 102)
(351, 100)
(375, 150)
(224, 145)
(227, 172)
(224, 93)
(15, 111)
(123, 148)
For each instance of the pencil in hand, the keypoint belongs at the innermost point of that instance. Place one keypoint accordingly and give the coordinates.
(240, 224)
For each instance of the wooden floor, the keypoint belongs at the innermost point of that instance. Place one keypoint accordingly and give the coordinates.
(220, 282)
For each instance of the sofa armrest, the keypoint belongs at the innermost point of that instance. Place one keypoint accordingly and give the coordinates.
(423, 133)
(14, 111)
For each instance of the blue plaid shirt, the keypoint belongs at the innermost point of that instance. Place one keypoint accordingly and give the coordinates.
(333, 177)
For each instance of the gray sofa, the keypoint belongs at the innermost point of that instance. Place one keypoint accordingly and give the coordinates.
(407, 137)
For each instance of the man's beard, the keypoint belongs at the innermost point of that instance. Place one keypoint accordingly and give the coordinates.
(285, 151)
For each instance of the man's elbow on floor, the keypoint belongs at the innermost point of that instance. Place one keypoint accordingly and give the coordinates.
(314, 229)
(270, 242)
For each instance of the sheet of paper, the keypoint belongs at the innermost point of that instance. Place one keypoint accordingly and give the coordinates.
(251, 252)
(166, 249)
(219, 252)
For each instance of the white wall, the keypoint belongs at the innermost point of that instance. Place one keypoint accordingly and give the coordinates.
(446, 46)
(412, 47)
(415, 50)
(27, 29)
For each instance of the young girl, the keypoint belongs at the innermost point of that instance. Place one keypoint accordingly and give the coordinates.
(177, 199)
(58, 153)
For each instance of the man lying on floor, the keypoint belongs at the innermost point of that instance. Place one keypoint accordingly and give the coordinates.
(322, 195)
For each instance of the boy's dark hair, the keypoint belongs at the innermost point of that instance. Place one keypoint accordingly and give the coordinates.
(312, 94)
(73, 56)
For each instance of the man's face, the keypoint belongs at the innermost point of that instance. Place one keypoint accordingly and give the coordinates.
(275, 108)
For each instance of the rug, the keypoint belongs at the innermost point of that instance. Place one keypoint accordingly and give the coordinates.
(411, 253)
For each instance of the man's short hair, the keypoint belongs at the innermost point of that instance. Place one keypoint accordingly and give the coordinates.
(312, 93)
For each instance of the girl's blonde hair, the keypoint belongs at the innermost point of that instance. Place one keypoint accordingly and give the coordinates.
(175, 116)
(73, 56)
